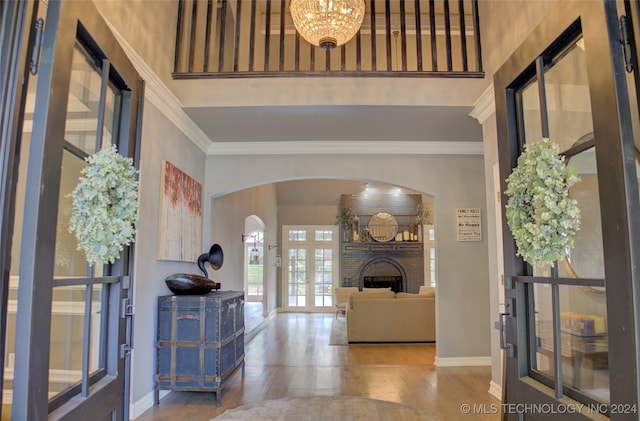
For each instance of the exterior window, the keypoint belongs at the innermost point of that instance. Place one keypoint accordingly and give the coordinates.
(297, 235)
(324, 235)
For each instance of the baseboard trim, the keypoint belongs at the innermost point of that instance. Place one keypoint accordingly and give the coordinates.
(495, 390)
(142, 405)
(462, 361)
(248, 336)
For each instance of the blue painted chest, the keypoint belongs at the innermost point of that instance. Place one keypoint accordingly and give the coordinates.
(200, 341)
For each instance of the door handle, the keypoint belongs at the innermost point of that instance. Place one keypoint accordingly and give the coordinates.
(500, 325)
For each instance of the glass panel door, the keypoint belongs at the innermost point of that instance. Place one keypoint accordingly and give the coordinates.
(563, 336)
(71, 343)
(310, 269)
(564, 115)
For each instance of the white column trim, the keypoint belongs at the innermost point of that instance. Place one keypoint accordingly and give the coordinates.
(485, 105)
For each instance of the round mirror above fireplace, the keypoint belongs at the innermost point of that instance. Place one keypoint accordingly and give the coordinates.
(383, 227)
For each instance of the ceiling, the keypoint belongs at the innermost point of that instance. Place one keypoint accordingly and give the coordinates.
(337, 123)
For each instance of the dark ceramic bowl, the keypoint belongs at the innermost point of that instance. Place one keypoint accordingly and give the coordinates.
(185, 284)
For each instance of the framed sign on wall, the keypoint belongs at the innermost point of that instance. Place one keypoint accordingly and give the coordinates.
(469, 224)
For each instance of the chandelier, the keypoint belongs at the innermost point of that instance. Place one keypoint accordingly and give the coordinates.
(327, 23)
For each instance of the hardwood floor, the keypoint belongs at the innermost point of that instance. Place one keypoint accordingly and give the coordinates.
(290, 357)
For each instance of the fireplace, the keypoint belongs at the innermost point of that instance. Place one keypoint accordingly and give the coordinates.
(382, 265)
(393, 282)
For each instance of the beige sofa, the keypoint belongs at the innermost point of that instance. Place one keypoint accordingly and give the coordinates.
(388, 317)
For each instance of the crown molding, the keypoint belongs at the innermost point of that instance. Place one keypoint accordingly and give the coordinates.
(346, 148)
(485, 105)
(158, 94)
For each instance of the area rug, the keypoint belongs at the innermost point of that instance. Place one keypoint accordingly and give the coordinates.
(324, 408)
(338, 332)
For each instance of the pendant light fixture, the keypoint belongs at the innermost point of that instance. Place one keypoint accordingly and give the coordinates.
(327, 23)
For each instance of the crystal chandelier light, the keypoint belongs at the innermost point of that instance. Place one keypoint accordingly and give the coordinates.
(327, 23)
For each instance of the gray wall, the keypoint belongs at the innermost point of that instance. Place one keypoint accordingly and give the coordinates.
(149, 26)
(453, 181)
(160, 140)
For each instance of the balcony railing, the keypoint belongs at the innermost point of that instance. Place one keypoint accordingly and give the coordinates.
(256, 38)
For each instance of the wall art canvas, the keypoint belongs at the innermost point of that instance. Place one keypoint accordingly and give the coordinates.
(180, 221)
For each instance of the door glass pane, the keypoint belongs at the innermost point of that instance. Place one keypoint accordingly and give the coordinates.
(297, 282)
(68, 260)
(83, 103)
(112, 111)
(543, 352)
(568, 102)
(586, 258)
(531, 123)
(67, 342)
(67, 334)
(584, 341)
(323, 277)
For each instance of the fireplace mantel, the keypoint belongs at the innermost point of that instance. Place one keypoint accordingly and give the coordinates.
(382, 247)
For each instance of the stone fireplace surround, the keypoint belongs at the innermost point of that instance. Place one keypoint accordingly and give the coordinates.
(360, 260)
(383, 260)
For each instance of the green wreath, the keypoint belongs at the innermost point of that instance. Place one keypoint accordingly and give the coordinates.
(542, 217)
(105, 206)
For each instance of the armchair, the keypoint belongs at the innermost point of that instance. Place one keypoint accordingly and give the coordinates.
(341, 298)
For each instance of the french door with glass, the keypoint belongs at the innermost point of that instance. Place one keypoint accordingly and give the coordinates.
(310, 267)
(69, 347)
(570, 337)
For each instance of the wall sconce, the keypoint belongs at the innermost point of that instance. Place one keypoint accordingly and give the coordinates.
(245, 237)
(254, 253)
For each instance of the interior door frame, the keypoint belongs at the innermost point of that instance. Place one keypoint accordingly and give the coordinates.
(18, 17)
(65, 22)
(618, 189)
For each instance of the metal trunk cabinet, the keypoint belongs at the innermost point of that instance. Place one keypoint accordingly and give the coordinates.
(200, 341)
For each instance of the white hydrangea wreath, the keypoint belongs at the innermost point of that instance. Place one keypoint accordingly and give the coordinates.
(105, 206)
(542, 217)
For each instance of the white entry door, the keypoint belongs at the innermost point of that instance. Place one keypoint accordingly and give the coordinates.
(310, 266)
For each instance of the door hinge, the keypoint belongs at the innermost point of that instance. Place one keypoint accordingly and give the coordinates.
(37, 46)
(625, 40)
(125, 349)
(126, 308)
